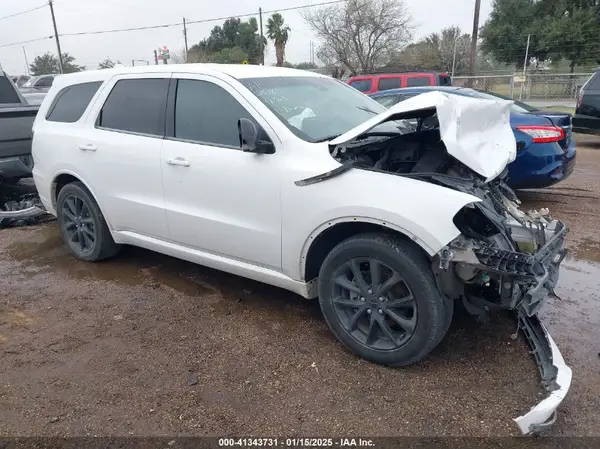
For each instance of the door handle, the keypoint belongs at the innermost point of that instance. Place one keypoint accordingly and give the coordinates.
(179, 161)
(87, 147)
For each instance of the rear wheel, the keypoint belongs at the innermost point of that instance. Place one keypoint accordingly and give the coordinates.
(379, 297)
(82, 224)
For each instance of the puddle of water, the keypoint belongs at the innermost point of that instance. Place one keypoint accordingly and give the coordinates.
(44, 252)
(574, 321)
(587, 249)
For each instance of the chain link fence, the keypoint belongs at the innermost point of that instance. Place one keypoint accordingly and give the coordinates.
(547, 86)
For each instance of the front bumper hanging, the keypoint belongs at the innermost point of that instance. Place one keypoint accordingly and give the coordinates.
(556, 376)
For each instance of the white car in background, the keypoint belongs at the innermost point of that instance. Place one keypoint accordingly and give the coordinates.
(388, 216)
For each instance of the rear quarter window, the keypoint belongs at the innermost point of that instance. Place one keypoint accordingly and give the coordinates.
(445, 80)
(71, 102)
(361, 85)
(415, 81)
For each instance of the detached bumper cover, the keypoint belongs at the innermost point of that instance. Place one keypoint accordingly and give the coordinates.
(556, 376)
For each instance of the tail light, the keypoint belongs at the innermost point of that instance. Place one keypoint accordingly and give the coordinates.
(543, 134)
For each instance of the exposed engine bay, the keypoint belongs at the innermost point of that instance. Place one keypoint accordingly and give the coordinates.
(504, 258)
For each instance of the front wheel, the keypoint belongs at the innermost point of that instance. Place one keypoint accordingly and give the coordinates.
(380, 299)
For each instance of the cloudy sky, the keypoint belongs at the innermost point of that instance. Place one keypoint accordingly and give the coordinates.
(74, 16)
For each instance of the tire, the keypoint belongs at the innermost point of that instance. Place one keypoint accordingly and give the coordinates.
(429, 314)
(103, 246)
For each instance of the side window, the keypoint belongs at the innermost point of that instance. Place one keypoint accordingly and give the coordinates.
(8, 93)
(389, 83)
(361, 85)
(387, 101)
(205, 112)
(46, 81)
(414, 81)
(445, 80)
(594, 82)
(136, 105)
(71, 102)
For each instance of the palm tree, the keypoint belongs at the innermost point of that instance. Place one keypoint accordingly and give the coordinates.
(279, 34)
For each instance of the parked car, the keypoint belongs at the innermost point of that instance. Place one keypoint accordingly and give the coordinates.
(16, 120)
(345, 201)
(545, 146)
(368, 84)
(40, 83)
(587, 113)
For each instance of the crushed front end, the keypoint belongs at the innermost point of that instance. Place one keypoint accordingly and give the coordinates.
(509, 259)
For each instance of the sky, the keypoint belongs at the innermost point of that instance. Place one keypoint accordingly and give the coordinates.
(73, 16)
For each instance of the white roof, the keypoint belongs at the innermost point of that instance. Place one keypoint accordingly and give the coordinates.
(238, 71)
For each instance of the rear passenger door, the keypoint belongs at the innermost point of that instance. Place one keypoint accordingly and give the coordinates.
(120, 150)
(389, 83)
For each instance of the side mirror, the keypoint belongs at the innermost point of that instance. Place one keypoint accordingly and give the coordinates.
(249, 138)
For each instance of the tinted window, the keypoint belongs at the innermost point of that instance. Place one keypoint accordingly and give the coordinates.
(445, 80)
(71, 102)
(389, 83)
(205, 112)
(361, 85)
(8, 93)
(413, 81)
(387, 101)
(46, 81)
(594, 82)
(136, 105)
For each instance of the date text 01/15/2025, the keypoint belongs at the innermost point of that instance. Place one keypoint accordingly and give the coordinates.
(295, 442)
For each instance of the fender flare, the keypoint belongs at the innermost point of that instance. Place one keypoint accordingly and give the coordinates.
(58, 173)
(358, 219)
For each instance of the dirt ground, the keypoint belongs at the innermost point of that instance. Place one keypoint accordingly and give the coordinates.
(149, 345)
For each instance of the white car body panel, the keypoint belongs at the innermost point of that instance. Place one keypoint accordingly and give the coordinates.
(543, 411)
(477, 132)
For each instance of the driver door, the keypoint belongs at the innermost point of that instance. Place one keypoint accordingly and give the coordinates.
(218, 198)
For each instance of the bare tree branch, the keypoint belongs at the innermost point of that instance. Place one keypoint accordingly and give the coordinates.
(361, 35)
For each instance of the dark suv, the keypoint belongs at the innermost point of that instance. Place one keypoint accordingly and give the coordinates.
(587, 114)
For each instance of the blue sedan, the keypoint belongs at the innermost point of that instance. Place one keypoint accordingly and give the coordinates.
(545, 146)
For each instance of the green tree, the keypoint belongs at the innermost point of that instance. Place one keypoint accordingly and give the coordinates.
(279, 34)
(234, 55)
(48, 63)
(233, 34)
(504, 34)
(573, 30)
(107, 64)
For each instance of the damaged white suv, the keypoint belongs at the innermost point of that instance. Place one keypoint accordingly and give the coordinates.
(299, 181)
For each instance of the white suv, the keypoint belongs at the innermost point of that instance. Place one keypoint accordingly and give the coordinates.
(300, 181)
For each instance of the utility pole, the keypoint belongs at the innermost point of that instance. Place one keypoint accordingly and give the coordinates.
(474, 39)
(60, 58)
(262, 38)
(185, 39)
(454, 58)
(26, 62)
(525, 67)
(155, 58)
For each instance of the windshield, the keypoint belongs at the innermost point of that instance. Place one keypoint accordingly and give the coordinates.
(518, 106)
(31, 81)
(317, 109)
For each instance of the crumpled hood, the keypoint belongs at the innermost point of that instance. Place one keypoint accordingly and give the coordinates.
(475, 131)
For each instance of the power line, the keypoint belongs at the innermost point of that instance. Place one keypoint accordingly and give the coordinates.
(26, 42)
(23, 12)
(215, 19)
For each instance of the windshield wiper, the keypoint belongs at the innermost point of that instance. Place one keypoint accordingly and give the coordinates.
(325, 139)
(362, 108)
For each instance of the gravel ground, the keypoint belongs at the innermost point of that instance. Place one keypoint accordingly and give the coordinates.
(150, 345)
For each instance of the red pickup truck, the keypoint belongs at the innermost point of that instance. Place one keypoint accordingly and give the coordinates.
(369, 84)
